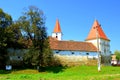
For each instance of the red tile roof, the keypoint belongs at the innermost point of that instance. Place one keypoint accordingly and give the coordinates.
(72, 45)
(92, 33)
(57, 28)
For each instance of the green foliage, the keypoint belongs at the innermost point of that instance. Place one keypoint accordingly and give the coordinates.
(105, 59)
(17, 39)
(5, 19)
(33, 25)
(34, 57)
(117, 53)
(28, 32)
(6, 35)
(31, 58)
(33, 28)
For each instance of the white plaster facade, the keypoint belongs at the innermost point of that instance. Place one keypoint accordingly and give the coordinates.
(104, 45)
(92, 55)
(16, 54)
(57, 35)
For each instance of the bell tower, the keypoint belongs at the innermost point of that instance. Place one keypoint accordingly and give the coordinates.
(99, 39)
(57, 33)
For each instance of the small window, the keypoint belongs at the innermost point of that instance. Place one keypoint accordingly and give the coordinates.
(18, 57)
(87, 53)
(56, 36)
(57, 52)
(73, 53)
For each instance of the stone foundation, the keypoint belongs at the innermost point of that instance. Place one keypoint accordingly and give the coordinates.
(72, 60)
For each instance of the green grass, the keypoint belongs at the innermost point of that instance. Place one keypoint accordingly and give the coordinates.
(63, 73)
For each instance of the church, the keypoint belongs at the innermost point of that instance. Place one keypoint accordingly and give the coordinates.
(95, 42)
(72, 52)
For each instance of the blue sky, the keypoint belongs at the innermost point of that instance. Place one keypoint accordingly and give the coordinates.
(76, 16)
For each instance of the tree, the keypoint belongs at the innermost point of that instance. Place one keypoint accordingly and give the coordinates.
(5, 34)
(33, 28)
(5, 21)
(117, 53)
(17, 39)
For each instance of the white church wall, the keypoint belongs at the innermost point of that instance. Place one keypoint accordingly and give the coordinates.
(104, 46)
(75, 60)
(94, 42)
(53, 34)
(76, 53)
(57, 35)
(16, 54)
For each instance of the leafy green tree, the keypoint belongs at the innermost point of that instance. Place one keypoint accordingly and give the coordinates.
(5, 21)
(5, 34)
(117, 53)
(17, 39)
(33, 28)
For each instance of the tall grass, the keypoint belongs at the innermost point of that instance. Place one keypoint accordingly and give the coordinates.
(64, 73)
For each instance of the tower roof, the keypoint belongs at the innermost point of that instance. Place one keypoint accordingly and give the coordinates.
(96, 28)
(57, 28)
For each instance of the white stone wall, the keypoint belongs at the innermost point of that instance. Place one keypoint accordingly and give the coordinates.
(76, 53)
(16, 54)
(94, 42)
(73, 60)
(59, 35)
(104, 45)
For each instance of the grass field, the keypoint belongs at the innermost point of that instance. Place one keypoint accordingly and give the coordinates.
(64, 73)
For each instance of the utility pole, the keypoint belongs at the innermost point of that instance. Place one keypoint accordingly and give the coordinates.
(99, 66)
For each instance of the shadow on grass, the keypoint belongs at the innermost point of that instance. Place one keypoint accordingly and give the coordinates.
(5, 72)
(14, 68)
(55, 69)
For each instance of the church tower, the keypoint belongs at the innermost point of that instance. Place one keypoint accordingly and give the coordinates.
(57, 33)
(99, 39)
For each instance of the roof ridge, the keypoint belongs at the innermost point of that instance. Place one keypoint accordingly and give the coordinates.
(74, 41)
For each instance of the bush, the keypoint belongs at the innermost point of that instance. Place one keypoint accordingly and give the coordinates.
(117, 53)
(105, 59)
